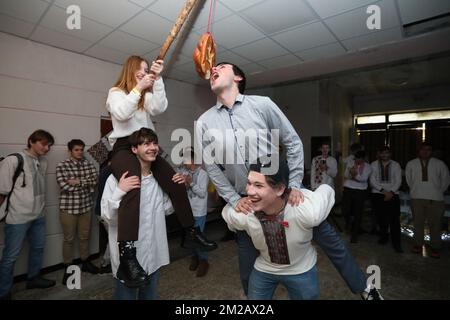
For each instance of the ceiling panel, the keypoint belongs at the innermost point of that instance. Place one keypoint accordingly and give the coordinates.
(234, 31)
(275, 16)
(15, 26)
(253, 68)
(326, 8)
(329, 50)
(142, 3)
(127, 43)
(219, 12)
(177, 74)
(238, 5)
(60, 40)
(28, 10)
(259, 35)
(188, 67)
(187, 44)
(107, 54)
(56, 18)
(354, 23)
(231, 57)
(261, 49)
(280, 62)
(415, 10)
(305, 37)
(111, 13)
(149, 26)
(171, 9)
(373, 39)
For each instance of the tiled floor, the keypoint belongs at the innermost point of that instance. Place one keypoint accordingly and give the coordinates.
(403, 276)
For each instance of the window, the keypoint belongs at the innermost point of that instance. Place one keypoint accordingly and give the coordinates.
(404, 132)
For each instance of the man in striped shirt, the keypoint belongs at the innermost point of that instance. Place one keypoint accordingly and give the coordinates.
(77, 178)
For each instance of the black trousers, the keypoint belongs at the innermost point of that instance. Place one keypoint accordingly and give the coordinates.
(388, 215)
(123, 160)
(353, 206)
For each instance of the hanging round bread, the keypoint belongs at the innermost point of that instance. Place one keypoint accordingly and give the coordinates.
(205, 55)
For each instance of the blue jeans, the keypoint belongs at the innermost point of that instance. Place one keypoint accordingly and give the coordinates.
(330, 242)
(147, 292)
(247, 256)
(200, 222)
(303, 286)
(14, 236)
(334, 247)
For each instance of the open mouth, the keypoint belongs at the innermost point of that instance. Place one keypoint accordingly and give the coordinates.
(214, 76)
(255, 200)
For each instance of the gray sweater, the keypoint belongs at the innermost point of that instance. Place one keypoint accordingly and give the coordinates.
(26, 203)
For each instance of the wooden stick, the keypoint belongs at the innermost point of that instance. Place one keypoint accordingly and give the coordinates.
(176, 28)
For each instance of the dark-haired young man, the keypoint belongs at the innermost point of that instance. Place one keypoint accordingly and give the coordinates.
(76, 177)
(385, 180)
(241, 128)
(25, 217)
(151, 249)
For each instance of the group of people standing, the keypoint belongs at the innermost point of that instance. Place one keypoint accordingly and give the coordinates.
(427, 178)
(273, 216)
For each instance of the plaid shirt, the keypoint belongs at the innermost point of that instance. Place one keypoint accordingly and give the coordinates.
(76, 199)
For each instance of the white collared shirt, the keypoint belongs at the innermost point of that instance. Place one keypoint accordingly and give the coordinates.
(300, 221)
(326, 177)
(152, 249)
(393, 180)
(360, 182)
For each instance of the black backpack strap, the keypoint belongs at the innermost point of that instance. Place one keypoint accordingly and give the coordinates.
(16, 175)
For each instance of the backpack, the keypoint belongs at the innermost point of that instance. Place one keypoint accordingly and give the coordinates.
(5, 207)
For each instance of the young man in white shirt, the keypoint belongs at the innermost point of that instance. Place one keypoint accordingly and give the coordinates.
(385, 180)
(356, 177)
(323, 168)
(151, 249)
(282, 233)
(428, 179)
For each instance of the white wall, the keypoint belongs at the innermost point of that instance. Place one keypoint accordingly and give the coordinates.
(65, 93)
(315, 108)
(300, 103)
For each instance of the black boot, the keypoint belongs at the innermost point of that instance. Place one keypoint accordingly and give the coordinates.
(195, 239)
(87, 266)
(39, 282)
(130, 272)
(65, 276)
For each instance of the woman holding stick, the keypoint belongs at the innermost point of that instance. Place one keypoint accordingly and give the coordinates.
(137, 95)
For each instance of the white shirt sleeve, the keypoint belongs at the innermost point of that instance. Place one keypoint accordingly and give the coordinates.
(315, 207)
(168, 207)
(201, 187)
(122, 106)
(156, 103)
(332, 167)
(409, 174)
(375, 176)
(109, 205)
(235, 220)
(397, 175)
